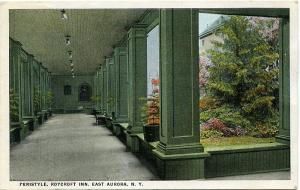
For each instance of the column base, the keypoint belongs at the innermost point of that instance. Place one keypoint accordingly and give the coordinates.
(180, 148)
(180, 166)
(132, 142)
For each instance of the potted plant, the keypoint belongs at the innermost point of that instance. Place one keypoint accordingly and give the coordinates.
(96, 100)
(111, 103)
(14, 116)
(109, 121)
(50, 100)
(150, 115)
(37, 104)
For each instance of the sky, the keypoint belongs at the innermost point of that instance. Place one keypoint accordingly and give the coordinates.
(205, 20)
(153, 47)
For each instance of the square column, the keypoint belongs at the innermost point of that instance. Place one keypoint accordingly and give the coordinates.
(120, 59)
(24, 91)
(179, 152)
(99, 87)
(104, 88)
(284, 81)
(137, 74)
(110, 67)
(137, 82)
(15, 72)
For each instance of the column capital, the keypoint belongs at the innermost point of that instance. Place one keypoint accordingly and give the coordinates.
(137, 30)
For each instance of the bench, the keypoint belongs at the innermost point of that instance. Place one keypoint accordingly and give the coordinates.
(29, 121)
(100, 119)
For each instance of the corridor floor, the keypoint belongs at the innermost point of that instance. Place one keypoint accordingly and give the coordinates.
(72, 147)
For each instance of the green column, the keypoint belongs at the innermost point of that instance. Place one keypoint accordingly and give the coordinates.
(120, 59)
(15, 74)
(137, 82)
(43, 88)
(179, 152)
(111, 87)
(100, 88)
(137, 74)
(31, 82)
(284, 81)
(104, 91)
(94, 92)
(24, 83)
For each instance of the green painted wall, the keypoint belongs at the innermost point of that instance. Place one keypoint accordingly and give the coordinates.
(69, 101)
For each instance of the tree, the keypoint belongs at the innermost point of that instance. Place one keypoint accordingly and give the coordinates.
(244, 73)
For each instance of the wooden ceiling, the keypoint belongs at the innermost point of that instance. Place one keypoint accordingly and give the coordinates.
(93, 33)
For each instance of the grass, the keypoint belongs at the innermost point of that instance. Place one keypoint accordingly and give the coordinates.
(231, 141)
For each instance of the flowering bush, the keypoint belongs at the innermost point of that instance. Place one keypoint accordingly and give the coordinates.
(264, 131)
(207, 102)
(153, 111)
(210, 134)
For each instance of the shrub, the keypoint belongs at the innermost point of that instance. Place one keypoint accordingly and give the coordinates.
(36, 100)
(207, 102)
(204, 134)
(153, 111)
(264, 130)
(218, 125)
(239, 131)
(50, 98)
(228, 115)
(13, 105)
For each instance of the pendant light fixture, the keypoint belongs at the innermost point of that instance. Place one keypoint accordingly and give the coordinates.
(68, 40)
(63, 15)
(70, 54)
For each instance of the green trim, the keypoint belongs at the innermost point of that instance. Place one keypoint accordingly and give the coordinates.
(266, 12)
(153, 25)
(180, 156)
(246, 148)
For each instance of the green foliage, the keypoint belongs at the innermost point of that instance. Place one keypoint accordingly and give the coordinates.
(207, 103)
(229, 115)
(50, 98)
(13, 105)
(264, 130)
(243, 78)
(143, 109)
(36, 99)
(96, 99)
(111, 100)
(210, 134)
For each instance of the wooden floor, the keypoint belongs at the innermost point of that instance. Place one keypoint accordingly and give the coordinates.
(72, 147)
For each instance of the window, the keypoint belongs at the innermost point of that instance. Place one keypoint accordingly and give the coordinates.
(67, 90)
(84, 92)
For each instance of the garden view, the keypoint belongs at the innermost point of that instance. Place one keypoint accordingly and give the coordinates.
(238, 79)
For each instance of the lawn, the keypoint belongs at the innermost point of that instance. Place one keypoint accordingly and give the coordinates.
(230, 141)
